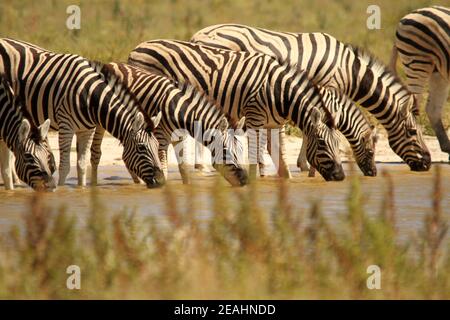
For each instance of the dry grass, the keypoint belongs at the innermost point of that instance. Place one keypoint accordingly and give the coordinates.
(241, 251)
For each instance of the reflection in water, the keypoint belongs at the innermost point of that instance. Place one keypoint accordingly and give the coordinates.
(117, 191)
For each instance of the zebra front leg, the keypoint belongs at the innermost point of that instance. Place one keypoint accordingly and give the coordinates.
(438, 93)
(16, 179)
(199, 157)
(96, 154)
(6, 165)
(302, 163)
(180, 151)
(253, 150)
(262, 145)
(65, 137)
(278, 147)
(84, 142)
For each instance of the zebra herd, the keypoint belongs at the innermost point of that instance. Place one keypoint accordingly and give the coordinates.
(228, 78)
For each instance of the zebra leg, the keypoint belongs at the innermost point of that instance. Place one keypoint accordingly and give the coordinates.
(5, 163)
(84, 142)
(302, 163)
(182, 166)
(16, 178)
(96, 154)
(253, 152)
(312, 172)
(65, 137)
(279, 146)
(162, 153)
(263, 144)
(438, 93)
(199, 157)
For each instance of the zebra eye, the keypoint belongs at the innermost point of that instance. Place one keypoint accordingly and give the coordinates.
(28, 157)
(412, 132)
(142, 148)
(370, 152)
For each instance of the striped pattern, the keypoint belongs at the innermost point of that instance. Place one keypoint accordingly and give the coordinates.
(182, 108)
(355, 127)
(252, 85)
(34, 163)
(67, 90)
(331, 63)
(422, 42)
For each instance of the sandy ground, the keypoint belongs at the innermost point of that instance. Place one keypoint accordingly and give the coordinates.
(112, 151)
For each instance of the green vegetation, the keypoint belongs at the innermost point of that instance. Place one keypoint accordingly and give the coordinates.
(110, 29)
(241, 251)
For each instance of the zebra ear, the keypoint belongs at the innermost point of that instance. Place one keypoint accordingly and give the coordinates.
(223, 125)
(316, 116)
(405, 108)
(156, 119)
(241, 124)
(138, 122)
(44, 128)
(337, 115)
(24, 130)
(374, 134)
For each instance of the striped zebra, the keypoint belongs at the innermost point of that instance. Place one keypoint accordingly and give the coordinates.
(355, 127)
(67, 90)
(422, 42)
(252, 85)
(182, 108)
(34, 162)
(333, 64)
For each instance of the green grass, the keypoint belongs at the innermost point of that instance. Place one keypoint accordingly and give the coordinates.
(241, 251)
(111, 29)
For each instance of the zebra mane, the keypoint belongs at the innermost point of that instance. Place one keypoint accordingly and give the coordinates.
(381, 70)
(18, 102)
(120, 89)
(294, 71)
(377, 65)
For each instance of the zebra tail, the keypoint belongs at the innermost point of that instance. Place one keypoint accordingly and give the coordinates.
(393, 62)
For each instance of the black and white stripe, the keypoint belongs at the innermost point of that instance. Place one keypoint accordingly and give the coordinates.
(252, 85)
(182, 108)
(34, 162)
(67, 90)
(422, 42)
(355, 127)
(331, 63)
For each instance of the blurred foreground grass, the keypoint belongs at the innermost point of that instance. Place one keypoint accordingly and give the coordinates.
(110, 29)
(241, 251)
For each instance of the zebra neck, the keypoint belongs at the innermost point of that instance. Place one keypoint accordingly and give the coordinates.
(376, 90)
(10, 123)
(189, 110)
(291, 96)
(351, 122)
(114, 117)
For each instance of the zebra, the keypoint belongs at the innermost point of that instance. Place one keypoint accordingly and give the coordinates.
(422, 42)
(34, 162)
(252, 85)
(182, 107)
(76, 98)
(350, 70)
(355, 127)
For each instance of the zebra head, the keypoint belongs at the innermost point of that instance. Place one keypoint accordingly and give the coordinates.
(365, 152)
(227, 152)
(35, 163)
(406, 138)
(322, 150)
(140, 151)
